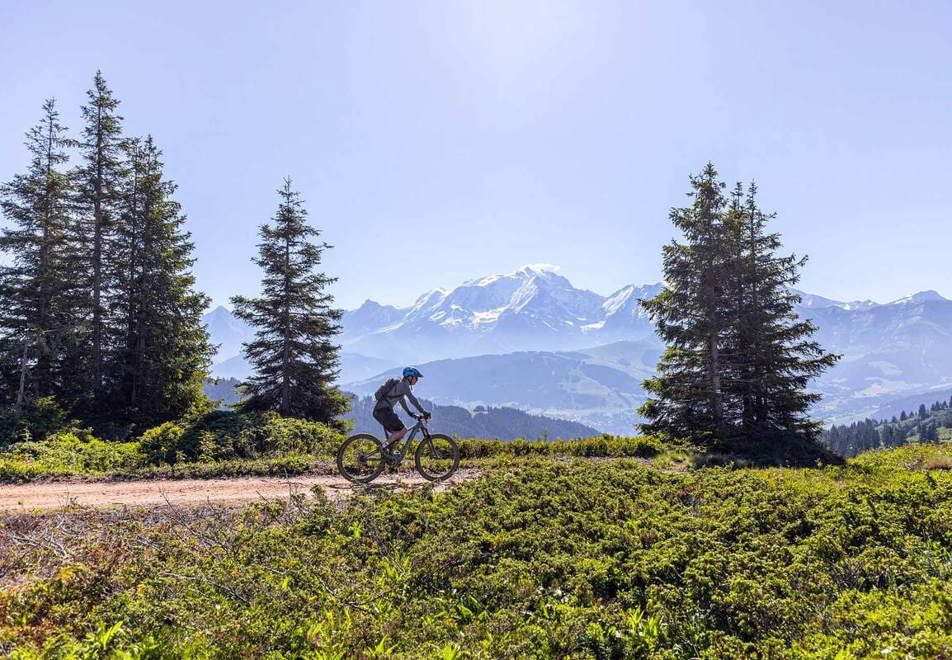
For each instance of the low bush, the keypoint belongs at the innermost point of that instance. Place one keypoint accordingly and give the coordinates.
(913, 456)
(216, 444)
(38, 419)
(227, 435)
(66, 453)
(164, 444)
(537, 558)
(607, 446)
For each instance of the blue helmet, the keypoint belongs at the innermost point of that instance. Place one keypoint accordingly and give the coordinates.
(409, 372)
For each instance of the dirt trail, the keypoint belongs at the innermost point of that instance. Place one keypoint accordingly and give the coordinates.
(55, 494)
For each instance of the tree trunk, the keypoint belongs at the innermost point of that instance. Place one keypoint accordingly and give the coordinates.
(286, 357)
(97, 260)
(21, 391)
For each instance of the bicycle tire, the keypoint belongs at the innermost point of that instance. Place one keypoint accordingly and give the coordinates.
(453, 457)
(372, 470)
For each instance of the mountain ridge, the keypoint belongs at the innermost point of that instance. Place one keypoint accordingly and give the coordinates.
(889, 349)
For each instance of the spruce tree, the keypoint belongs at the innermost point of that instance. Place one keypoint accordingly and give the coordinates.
(772, 349)
(689, 314)
(36, 312)
(738, 359)
(99, 179)
(293, 353)
(163, 352)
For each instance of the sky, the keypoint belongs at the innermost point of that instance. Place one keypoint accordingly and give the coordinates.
(435, 142)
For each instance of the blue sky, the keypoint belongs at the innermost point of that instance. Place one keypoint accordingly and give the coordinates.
(439, 141)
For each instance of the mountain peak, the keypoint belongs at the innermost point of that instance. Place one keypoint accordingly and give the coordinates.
(921, 297)
(370, 305)
(219, 312)
(539, 269)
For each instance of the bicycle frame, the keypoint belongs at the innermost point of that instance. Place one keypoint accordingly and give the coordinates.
(419, 427)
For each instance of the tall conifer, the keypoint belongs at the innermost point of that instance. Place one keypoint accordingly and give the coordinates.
(738, 359)
(293, 352)
(99, 179)
(35, 296)
(773, 348)
(689, 315)
(163, 353)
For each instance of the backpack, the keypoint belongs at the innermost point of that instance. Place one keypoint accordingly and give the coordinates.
(384, 389)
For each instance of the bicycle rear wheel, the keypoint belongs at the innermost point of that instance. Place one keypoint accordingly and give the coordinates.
(360, 458)
(437, 457)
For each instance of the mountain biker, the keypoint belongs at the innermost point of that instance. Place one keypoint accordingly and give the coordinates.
(390, 397)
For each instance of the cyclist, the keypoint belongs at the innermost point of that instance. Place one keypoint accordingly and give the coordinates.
(389, 395)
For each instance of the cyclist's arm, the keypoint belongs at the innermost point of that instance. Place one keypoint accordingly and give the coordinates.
(403, 402)
(416, 403)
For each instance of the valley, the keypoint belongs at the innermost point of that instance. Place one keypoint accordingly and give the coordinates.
(531, 340)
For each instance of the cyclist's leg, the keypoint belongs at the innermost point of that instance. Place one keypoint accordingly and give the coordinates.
(392, 424)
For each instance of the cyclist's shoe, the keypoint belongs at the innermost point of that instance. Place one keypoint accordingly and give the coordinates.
(391, 457)
(393, 461)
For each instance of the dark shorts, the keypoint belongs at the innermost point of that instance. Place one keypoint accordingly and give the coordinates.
(389, 419)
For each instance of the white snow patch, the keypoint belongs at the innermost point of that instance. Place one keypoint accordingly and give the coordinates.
(542, 268)
(484, 318)
(616, 302)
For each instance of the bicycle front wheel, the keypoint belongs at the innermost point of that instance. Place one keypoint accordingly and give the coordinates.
(360, 458)
(437, 457)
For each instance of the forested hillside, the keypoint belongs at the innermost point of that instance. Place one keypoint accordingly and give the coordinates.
(931, 423)
(484, 422)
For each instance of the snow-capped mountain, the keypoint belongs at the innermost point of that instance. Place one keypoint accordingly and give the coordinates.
(512, 324)
(813, 301)
(533, 308)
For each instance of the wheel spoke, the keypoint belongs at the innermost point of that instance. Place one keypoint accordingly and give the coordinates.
(360, 458)
(437, 457)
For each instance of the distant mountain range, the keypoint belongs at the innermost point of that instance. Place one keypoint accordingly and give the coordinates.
(502, 423)
(531, 340)
(533, 308)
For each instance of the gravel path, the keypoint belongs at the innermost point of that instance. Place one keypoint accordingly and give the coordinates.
(55, 494)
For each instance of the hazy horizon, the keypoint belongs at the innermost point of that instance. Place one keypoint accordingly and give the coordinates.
(439, 143)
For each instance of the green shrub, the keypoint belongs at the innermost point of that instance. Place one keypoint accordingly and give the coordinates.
(167, 443)
(275, 435)
(73, 452)
(227, 435)
(606, 446)
(913, 456)
(537, 558)
(38, 419)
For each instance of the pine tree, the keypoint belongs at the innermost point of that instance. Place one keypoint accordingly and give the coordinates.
(293, 353)
(99, 180)
(738, 359)
(773, 350)
(158, 369)
(36, 296)
(689, 314)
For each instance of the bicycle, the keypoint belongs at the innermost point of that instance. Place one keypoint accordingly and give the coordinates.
(363, 457)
